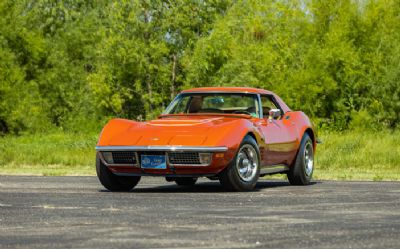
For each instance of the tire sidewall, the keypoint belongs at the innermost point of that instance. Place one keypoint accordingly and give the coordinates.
(300, 167)
(237, 180)
(113, 182)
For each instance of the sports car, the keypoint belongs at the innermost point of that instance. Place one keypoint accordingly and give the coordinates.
(231, 134)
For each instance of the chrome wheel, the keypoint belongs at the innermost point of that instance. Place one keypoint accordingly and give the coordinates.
(308, 159)
(247, 163)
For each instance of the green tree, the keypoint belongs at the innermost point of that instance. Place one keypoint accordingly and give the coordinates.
(140, 66)
(21, 50)
(73, 64)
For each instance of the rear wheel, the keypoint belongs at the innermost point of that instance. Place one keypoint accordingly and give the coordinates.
(113, 182)
(301, 171)
(243, 172)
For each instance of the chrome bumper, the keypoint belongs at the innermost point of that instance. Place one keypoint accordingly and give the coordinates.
(163, 148)
(167, 150)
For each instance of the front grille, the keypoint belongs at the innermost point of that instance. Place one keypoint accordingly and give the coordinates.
(174, 158)
(184, 158)
(124, 157)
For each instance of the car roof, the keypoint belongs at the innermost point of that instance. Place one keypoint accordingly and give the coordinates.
(228, 89)
(283, 105)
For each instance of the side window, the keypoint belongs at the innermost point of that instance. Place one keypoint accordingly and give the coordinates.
(267, 105)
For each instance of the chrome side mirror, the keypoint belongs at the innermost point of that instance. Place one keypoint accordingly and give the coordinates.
(274, 114)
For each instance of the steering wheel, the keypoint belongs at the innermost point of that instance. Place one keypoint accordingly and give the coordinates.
(242, 112)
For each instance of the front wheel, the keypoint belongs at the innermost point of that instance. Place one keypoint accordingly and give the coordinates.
(186, 181)
(182, 181)
(301, 171)
(113, 182)
(243, 172)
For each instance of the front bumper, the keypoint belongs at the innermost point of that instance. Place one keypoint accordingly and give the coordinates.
(163, 148)
(219, 160)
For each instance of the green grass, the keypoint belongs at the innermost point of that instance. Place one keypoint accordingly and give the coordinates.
(48, 154)
(342, 156)
(359, 156)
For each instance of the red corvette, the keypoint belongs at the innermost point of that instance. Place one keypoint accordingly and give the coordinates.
(231, 134)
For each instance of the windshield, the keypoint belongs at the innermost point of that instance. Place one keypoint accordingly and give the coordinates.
(225, 103)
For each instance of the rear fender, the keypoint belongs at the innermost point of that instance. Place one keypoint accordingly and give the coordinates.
(303, 125)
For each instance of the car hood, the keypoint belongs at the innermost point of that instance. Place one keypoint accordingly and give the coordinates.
(175, 131)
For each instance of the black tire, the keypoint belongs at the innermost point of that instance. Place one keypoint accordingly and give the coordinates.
(186, 181)
(113, 182)
(300, 172)
(231, 178)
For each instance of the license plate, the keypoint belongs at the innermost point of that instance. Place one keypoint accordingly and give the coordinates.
(153, 162)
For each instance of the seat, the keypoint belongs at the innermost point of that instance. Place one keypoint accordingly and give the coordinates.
(266, 110)
(195, 104)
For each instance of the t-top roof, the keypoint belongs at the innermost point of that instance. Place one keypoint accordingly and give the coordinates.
(228, 89)
(283, 105)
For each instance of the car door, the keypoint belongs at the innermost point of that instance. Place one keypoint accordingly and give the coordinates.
(279, 134)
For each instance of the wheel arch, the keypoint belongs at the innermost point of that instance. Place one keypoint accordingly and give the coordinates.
(311, 134)
(251, 134)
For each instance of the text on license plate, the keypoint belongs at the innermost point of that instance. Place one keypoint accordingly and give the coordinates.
(153, 162)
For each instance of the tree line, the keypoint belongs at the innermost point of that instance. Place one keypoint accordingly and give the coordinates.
(73, 64)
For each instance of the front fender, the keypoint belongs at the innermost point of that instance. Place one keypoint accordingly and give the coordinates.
(231, 135)
(113, 128)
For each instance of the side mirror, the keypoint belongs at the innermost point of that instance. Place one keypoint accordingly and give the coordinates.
(274, 114)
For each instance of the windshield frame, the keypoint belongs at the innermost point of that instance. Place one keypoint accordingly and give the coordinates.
(180, 95)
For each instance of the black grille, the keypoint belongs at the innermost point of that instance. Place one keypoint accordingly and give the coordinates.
(124, 157)
(185, 158)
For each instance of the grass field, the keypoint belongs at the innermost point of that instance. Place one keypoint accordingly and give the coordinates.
(359, 156)
(48, 154)
(343, 156)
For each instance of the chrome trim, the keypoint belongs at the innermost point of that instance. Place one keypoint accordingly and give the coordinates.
(163, 148)
(274, 169)
(260, 109)
(170, 104)
(187, 165)
(136, 165)
(247, 163)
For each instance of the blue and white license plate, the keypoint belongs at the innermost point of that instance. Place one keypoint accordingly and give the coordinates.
(153, 162)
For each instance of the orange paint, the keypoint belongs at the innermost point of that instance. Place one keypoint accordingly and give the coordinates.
(278, 139)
